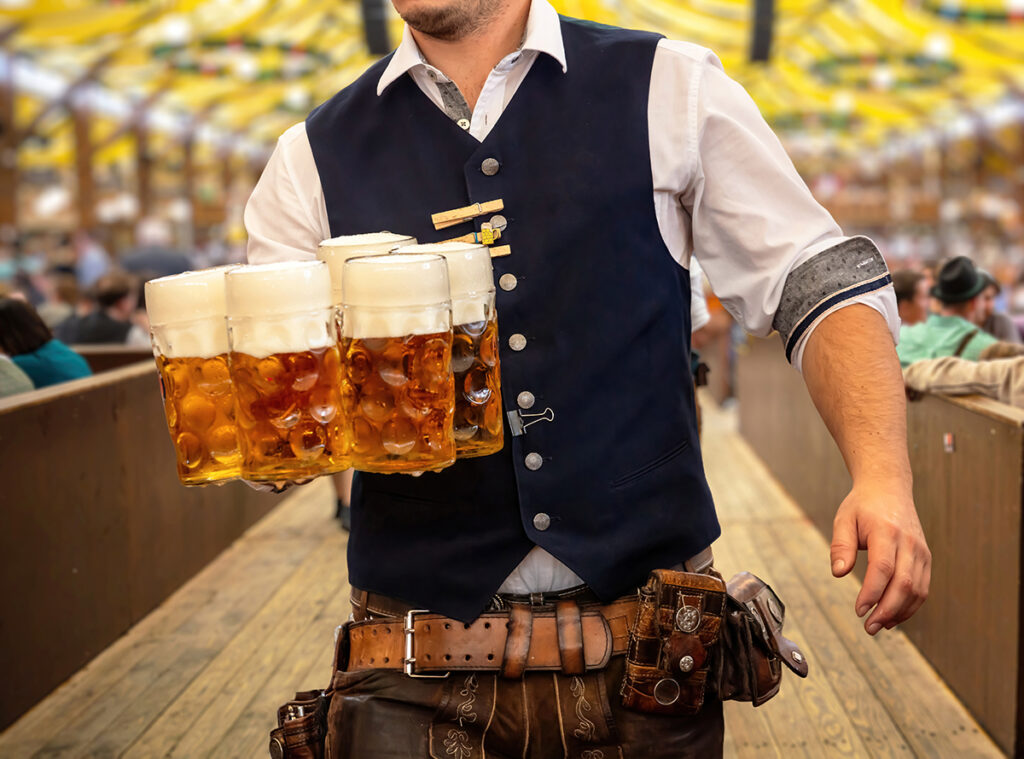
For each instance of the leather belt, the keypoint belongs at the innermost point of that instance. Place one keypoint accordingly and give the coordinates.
(566, 637)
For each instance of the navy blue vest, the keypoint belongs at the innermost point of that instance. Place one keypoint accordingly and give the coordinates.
(601, 302)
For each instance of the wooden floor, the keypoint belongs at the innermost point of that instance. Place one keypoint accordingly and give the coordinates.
(201, 676)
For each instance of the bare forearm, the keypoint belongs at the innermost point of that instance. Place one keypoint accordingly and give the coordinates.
(854, 379)
(853, 376)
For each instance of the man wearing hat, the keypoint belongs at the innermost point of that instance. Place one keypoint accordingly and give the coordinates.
(952, 331)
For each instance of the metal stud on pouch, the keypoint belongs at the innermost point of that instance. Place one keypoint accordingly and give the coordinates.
(797, 657)
(688, 619)
(686, 664)
(667, 691)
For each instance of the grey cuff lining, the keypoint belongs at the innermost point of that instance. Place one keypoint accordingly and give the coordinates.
(851, 268)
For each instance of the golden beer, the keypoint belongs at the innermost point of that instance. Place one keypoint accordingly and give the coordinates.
(478, 429)
(289, 414)
(400, 402)
(478, 424)
(190, 344)
(397, 348)
(286, 371)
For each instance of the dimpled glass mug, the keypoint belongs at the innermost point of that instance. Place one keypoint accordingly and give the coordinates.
(478, 427)
(397, 347)
(286, 371)
(190, 343)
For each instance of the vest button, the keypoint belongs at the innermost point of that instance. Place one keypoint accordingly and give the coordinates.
(517, 342)
(533, 461)
(525, 399)
(508, 282)
(541, 521)
(499, 222)
(490, 166)
(463, 123)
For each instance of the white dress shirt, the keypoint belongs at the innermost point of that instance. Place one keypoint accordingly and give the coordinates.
(723, 188)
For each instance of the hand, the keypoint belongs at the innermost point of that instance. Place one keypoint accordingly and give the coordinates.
(883, 521)
(276, 487)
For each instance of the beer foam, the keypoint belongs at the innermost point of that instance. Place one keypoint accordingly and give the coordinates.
(470, 277)
(395, 295)
(187, 313)
(336, 251)
(279, 308)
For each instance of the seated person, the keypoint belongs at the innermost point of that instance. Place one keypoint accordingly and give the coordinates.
(30, 344)
(953, 331)
(116, 297)
(1002, 379)
(912, 295)
(12, 379)
(997, 324)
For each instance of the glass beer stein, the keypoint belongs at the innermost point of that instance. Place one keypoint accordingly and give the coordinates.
(397, 348)
(478, 427)
(286, 371)
(336, 251)
(190, 343)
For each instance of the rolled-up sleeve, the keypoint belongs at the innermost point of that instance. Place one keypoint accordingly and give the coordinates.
(772, 253)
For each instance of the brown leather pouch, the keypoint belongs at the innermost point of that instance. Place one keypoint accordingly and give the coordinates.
(751, 651)
(301, 727)
(670, 643)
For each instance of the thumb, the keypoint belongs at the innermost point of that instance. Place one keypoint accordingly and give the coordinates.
(844, 545)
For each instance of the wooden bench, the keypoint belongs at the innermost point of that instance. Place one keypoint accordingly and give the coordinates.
(967, 455)
(103, 357)
(97, 530)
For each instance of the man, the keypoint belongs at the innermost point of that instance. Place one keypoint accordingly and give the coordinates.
(954, 330)
(996, 323)
(615, 155)
(912, 295)
(116, 297)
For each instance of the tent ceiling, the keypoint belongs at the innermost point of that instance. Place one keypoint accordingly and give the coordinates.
(852, 70)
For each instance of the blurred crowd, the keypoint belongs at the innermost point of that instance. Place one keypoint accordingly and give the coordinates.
(61, 290)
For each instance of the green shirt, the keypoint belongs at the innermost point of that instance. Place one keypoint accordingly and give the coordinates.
(941, 336)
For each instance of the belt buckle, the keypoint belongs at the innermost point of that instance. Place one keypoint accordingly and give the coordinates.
(409, 661)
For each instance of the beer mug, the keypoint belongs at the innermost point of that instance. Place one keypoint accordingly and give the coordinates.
(336, 251)
(478, 424)
(286, 371)
(190, 343)
(397, 348)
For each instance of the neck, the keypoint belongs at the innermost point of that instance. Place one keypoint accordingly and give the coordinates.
(467, 61)
(948, 310)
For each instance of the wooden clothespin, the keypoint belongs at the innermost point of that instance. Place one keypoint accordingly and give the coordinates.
(446, 219)
(486, 236)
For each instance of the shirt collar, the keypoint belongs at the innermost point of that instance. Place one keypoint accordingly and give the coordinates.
(543, 34)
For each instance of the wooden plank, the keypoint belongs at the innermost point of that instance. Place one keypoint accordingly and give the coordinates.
(911, 707)
(183, 721)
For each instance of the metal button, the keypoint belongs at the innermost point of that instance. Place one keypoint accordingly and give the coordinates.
(688, 619)
(534, 461)
(525, 399)
(517, 342)
(464, 123)
(508, 282)
(797, 657)
(499, 222)
(686, 663)
(276, 748)
(541, 521)
(490, 166)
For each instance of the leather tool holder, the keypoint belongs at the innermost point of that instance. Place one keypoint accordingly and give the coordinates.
(670, 644)
(301, 727)
(752, 649)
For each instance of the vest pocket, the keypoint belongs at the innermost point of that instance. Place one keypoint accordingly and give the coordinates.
(650, 466)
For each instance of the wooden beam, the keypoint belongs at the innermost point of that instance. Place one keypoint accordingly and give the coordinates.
(8, 149)
(85, 195)
(189, 174)
(143, 169)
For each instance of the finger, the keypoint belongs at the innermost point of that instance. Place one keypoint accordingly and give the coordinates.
(844, 545)
(881, 565)
(899, 594)
(922, 583)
